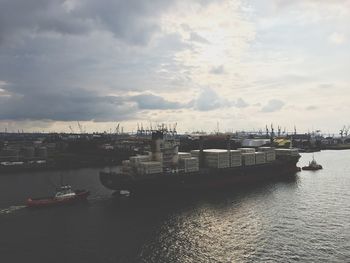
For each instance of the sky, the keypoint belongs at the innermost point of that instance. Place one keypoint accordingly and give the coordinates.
(241, 64)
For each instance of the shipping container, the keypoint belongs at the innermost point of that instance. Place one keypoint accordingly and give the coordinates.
(216, 158)
(270, 153)
(150, 167)
(260, 157)
(189, 164)
(235, 158)
(183, 155)
(248, 159)
(139, 158)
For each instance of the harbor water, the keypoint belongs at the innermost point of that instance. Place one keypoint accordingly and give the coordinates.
(302, 219)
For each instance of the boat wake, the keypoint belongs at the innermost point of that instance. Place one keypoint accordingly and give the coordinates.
(11, 209)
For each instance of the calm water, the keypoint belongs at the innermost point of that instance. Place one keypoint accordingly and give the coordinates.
(305, 219)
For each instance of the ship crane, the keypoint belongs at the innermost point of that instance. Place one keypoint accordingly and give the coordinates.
(174, 128)
(342, 131)
(80, 128)
(117, 129)
(272, 131)
(267, 131)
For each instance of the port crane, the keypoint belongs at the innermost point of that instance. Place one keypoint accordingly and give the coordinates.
(117, 129)
(71, 129)
(80, 128)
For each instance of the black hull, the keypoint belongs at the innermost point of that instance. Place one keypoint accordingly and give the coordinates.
(205, 179)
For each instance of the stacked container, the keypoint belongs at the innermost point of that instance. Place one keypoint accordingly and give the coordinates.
(183, 155)
(269, 152)
(216, 158)
(260, 158)
(150, 168)
(236, 158)
(190, 164)
(248, 158)
(195, 153)
(135, 160)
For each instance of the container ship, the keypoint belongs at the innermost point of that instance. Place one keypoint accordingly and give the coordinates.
(165, 169)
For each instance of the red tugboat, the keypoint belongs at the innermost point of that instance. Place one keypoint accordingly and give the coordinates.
(64, 195)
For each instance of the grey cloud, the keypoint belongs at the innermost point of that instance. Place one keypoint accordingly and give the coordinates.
(217, 70)
(311, 107)
(186, 27)
(152, 102)
(273, 105)
(208, 100)
(74, 105)
(78, 104)
(59, 63)
(195, 37)
(241, 103)
(17, 16)
(289, 80)
(326, 86)
(133, 21)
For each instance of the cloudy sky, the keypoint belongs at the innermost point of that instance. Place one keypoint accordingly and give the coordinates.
(242, 63)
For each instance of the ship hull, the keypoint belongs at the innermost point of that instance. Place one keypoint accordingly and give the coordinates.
(205, 179)
(52, 201)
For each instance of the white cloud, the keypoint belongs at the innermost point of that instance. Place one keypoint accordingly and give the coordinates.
(273, 105)
(217, 70)
(337, 38)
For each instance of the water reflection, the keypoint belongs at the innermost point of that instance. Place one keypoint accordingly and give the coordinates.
(302, 218)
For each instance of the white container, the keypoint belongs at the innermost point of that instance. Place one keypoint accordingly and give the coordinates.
(150, 168)
(269, 152)
(183, 155)
(270, 156)
(189, 164)
(248, 159)
(139, 158)
(236, 163)
(217, 158)
(236, 158)
(260, 157)
(195, 153)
